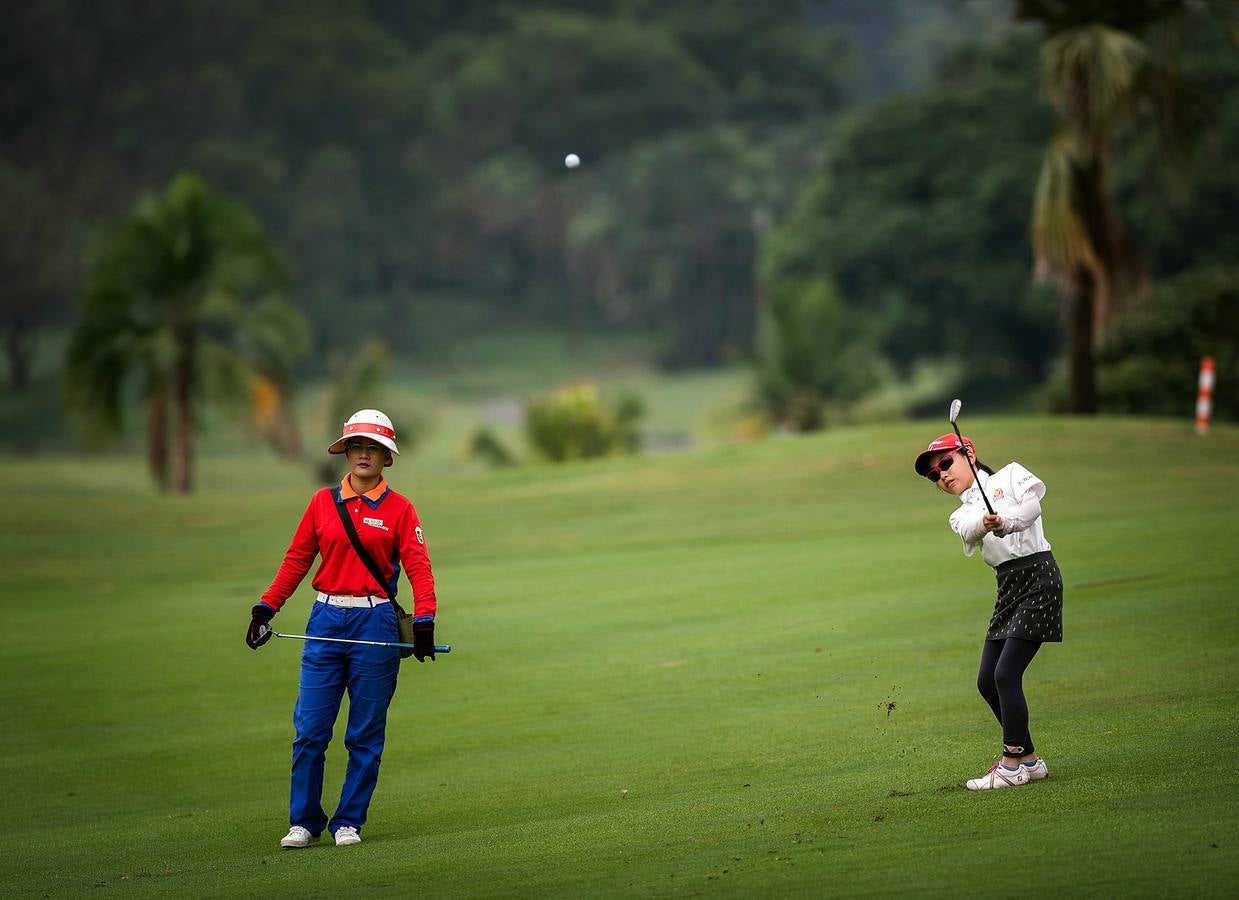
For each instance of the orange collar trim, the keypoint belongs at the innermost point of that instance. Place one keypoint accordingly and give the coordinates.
(347, 492)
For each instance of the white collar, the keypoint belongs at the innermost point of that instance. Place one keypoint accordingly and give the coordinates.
(976, 490)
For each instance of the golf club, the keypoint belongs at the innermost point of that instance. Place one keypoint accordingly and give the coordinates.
(956, 406)
(439, 648)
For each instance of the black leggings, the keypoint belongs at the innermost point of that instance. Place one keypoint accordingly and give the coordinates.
(1001, 683)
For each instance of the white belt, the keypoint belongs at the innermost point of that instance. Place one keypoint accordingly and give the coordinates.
(336, 600)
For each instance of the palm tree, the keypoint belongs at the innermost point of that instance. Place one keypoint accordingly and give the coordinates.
(186, 299)
(1103, 78)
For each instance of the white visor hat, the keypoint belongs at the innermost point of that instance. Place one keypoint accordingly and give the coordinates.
(367, 423)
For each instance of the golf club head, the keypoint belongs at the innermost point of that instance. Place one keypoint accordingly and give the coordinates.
(956, 405)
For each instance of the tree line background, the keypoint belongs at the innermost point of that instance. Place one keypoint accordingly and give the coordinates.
(839, 192)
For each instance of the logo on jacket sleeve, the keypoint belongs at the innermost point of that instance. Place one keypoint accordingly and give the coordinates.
(417, 531)
(998, 494)
(376, 523)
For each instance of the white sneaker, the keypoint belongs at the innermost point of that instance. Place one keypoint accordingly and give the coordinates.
(347, 834)
(297, 838)
(1037, 770)
(998, 777)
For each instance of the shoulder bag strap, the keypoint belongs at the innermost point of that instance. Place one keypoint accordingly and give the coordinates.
(362, 552)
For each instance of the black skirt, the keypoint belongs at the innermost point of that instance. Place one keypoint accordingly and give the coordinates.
(1030, 600)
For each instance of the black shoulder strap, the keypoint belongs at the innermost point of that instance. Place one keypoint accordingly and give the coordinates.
(366, 558)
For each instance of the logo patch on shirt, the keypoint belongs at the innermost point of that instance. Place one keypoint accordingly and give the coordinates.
(998, 495)
(376, 523)
(421, 538)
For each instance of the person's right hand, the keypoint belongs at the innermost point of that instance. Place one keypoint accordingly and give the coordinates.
(992, 523)
(259, 631)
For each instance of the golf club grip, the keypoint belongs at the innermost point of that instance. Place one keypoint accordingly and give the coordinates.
(439, 648)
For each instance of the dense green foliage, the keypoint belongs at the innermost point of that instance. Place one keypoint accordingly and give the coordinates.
(367, 134)
(1153, 362)
(406, 158)
(774, 660)
(1109, 67)
(39, 258)
(406, 155)
(920, 215)
(920, 219)
(1183, 220)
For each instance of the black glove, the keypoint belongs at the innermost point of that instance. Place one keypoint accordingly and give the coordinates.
(259, 632)
(424, 640)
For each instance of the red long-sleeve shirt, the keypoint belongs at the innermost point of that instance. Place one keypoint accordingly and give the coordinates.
(388, 527)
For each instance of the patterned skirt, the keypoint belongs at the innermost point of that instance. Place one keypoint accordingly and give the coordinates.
(1030, 600)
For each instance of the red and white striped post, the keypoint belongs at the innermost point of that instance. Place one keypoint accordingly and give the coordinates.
(1204, 396)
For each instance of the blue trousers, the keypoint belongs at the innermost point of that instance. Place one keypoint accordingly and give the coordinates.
(327, 671)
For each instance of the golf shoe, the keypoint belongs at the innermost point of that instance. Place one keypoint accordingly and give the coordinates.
(297, 838)
(998, 777)
(1037, 770)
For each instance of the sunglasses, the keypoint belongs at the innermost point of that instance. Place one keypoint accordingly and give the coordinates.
(943, 464)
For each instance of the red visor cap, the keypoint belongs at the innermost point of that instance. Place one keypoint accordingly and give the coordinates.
(937, 445)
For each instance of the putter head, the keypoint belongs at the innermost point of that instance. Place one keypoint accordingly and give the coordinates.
(956, 405)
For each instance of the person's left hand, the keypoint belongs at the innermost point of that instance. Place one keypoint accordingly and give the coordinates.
(424, 641)
(992, 522)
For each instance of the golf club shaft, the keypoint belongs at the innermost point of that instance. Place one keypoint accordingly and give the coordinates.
(964, 449)
(439, 648)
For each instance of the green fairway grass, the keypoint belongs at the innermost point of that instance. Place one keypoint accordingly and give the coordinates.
(744, 671)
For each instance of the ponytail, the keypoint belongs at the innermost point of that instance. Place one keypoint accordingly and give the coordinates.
(984, 468)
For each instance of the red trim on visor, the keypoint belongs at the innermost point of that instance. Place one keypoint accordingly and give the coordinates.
(370, 428)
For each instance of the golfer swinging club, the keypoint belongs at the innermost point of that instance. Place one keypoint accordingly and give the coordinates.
(1029, 608)
(353, 604)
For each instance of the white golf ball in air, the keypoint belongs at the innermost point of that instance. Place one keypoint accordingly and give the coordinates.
(572, 160)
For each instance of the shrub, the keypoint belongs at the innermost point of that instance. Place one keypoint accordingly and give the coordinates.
(573, 424)
(485, 445)
(813, 354)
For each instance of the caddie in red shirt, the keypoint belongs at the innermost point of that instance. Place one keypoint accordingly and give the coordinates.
(354, 605)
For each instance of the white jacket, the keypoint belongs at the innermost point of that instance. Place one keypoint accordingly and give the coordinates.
(1015, 493)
